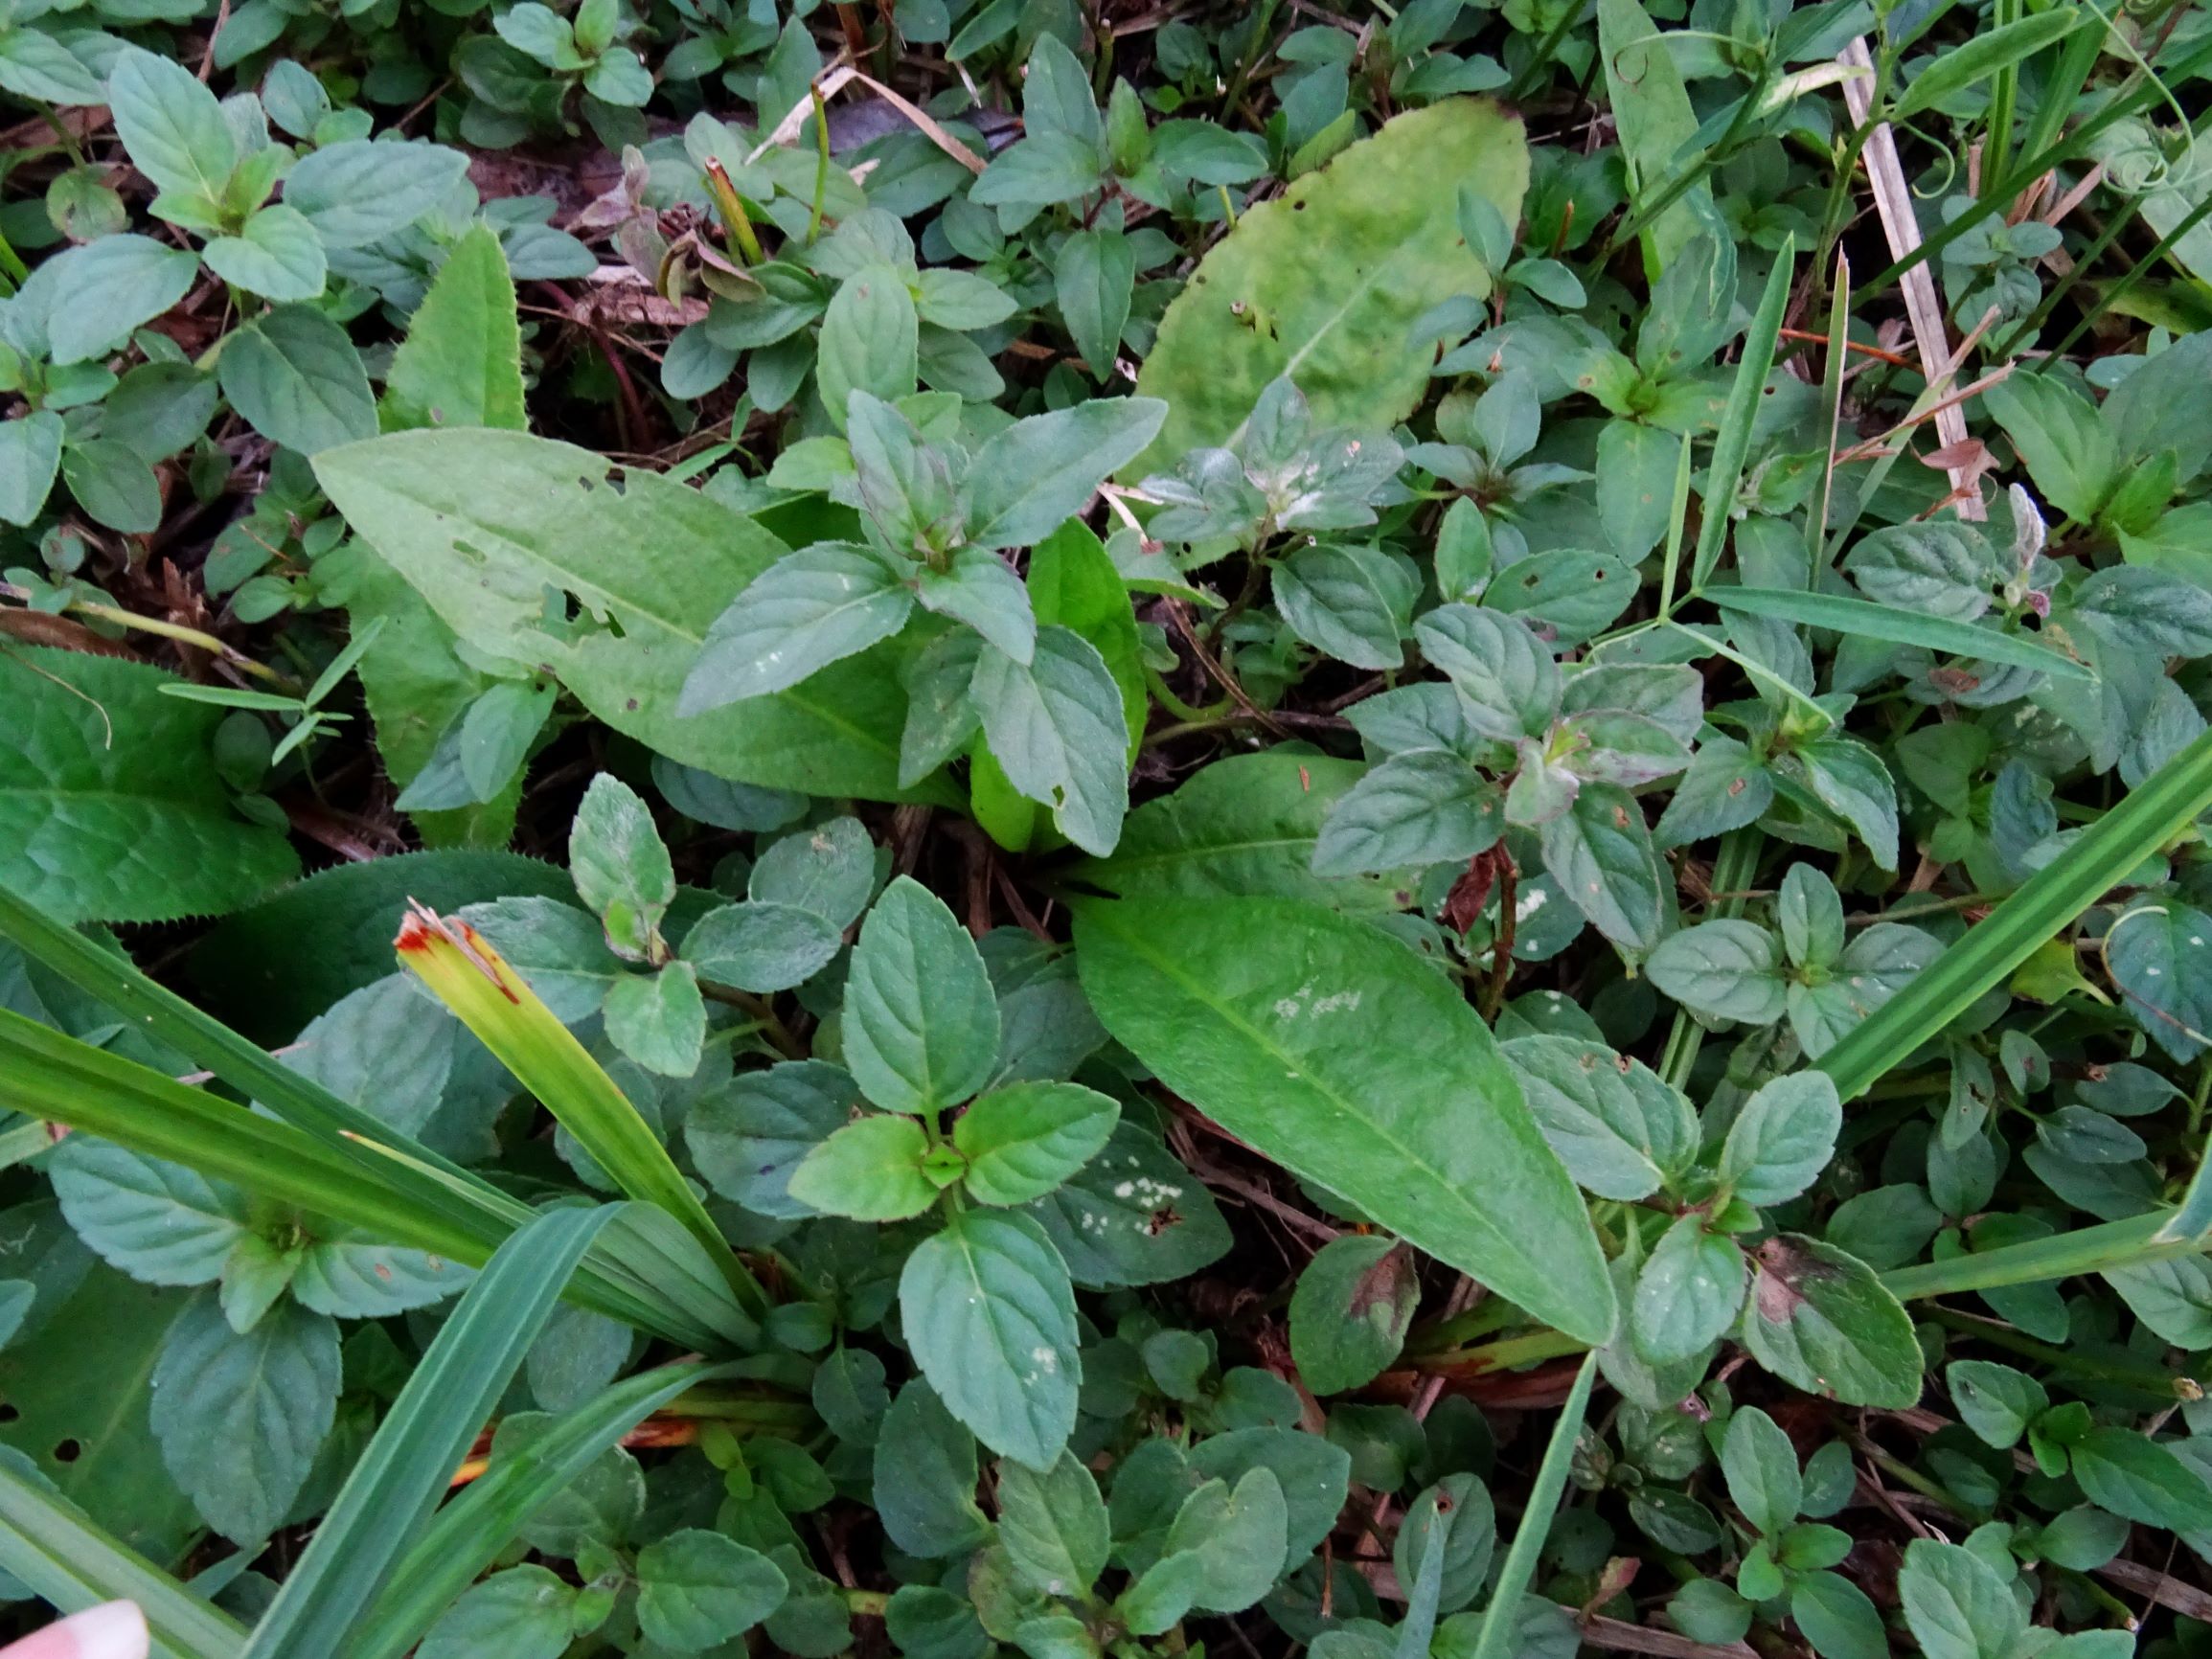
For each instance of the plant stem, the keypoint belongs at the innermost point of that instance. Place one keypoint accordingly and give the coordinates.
(167, 630)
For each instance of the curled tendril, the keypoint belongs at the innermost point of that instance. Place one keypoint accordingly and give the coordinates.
(1950, 163)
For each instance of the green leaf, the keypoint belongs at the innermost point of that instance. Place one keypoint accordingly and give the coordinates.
(1940, 571)
(241, 1417)
(354, 191)
(172, 126)
(110, 807)
(113, 485)
(1425, 807)
(525, 1612)
(1094, 275)
(761, 946)
(1239, 1534)
(1688, 1292)
(747, 1136)
(829, 870)
(461, 363)
(1995, 1400)
(1073, 583)
(117, 284)
(1850, 779)
(869, 1170)
(868, 341)
(924, 1477)
(482, 523)
(1036, 475)
(2155, 954)
(393, 1490)
(1351, 1311)
(807, 610)
(1951, 71)
(1620, 1130)
(1246, 825)
(979, 588)
(1782, 1137)
(1058, 729)
(1325, 283)
(47, 1546)
(1508, 684)
(698, 1589)
(2098, 859)
(990, 1317)
(1332, 1049)
(1956, 1605)
(1054, 1525)
(1347, 602)
(2132, 1475)
(921, 1025)
(30, 456)
(1761, 1467)
(619, 865)
(276, 254)
(1821, 1320)
(905, 484)
(1659, 128)
(1022, 1140)
(1600, 852)
(659, 1020)
(161, 1223)
(296, 379)
(1838, 1618)
(1896, 623)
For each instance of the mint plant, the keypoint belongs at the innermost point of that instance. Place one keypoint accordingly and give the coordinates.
(961, 828)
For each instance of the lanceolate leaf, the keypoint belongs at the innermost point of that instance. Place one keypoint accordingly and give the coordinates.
(481, 523)
(1331, 1048)
(1324, 283)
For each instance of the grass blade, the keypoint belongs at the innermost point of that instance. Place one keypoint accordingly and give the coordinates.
(471, 979)
(1502, 1621)
(246, 1065)
(470, 1532)
(66, 1559)
(1831, 400)
(1733, 442)
(2152, 814)
(2111, 1244)
(1903, 627)
(636, 1276)
(397, 1483)
(55, 1077)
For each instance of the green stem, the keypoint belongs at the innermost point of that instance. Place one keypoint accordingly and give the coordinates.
(2134, 274)
(2132, 100)
(1546, 49)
